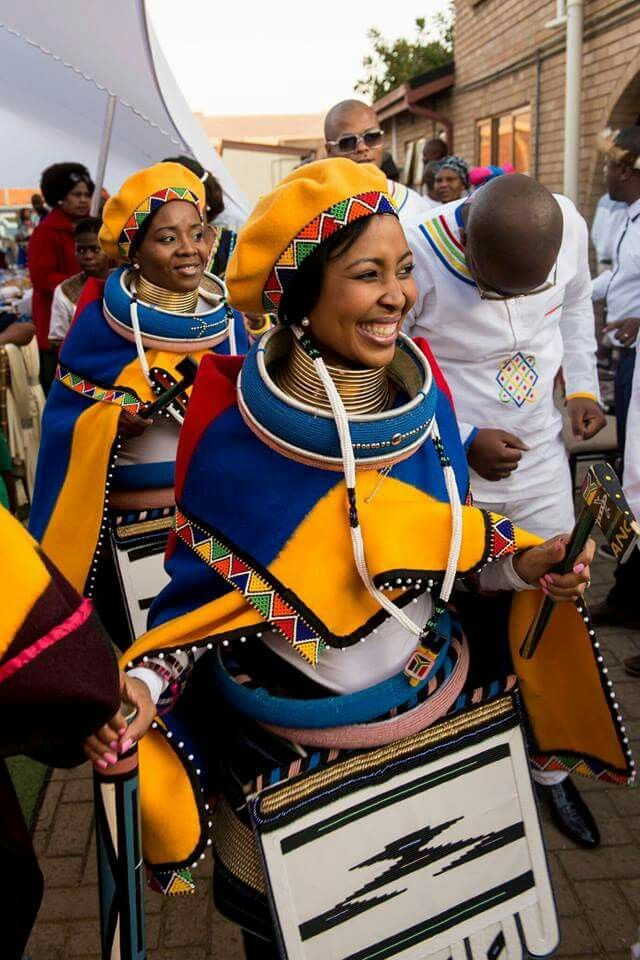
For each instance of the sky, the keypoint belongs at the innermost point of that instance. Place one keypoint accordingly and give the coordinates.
(275, 56)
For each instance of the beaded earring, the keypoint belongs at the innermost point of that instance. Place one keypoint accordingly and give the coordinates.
(305, 322)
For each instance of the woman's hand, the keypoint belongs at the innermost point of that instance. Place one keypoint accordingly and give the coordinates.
(536, 564)
(132, 425)
(115, 737)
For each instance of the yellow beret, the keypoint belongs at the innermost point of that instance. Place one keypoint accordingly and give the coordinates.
(141, 195)
(288, 224)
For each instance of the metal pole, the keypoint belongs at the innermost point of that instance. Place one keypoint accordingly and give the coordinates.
(107, 129)
(575, 18)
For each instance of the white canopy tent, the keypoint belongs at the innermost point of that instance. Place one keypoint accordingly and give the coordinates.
(85, 80)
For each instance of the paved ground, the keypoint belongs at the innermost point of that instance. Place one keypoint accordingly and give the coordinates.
(598, 893)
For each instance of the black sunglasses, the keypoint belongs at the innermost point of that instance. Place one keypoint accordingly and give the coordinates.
(349, 142)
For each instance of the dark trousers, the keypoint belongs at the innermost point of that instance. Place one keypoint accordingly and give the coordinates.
(622, 392)
(48, 364)
(257, 949)
(624, 593)
(21, 877)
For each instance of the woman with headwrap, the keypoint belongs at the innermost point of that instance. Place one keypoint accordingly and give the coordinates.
(451, 178)
(106, 465)
(67, 189)
(321, 523)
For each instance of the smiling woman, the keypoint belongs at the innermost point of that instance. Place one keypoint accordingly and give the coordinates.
(320, 526)
(111, 426)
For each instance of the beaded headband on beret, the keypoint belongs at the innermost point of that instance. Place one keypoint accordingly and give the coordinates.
(338, 216)
(148, 206)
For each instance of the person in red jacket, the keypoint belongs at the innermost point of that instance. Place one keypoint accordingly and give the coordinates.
(67, 189)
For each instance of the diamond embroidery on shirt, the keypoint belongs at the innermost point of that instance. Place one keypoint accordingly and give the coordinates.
(517, 378)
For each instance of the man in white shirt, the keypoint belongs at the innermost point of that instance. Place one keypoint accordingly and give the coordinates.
(432, 152)
(352, 130)
(504, 299)
(609, 217)
(620, 288)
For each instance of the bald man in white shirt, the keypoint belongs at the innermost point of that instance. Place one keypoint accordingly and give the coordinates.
(504, 299)
(352, 130)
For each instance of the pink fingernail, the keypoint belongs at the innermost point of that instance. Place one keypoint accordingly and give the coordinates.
(579, 567)
(126, 745)
(110, 757)
(102, 764)
(548, 578)
(114, 744)
(122, 730)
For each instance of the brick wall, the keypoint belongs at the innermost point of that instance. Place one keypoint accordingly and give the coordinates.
(497, 43)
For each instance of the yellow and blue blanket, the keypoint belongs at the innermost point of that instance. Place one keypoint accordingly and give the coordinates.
(262, 542)
(99, 375)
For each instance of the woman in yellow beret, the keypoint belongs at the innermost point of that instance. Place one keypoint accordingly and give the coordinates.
(322, 519)
(104, 489)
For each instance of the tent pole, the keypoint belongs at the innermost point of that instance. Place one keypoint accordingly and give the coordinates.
(104, 153)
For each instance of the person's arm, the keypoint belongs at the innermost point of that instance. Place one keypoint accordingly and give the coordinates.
(577, 328)
(61, 315)
(43, 262)
(533, 568)
(600, 285)
(21, 333)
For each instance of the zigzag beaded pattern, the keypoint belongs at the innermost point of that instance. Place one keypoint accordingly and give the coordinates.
(256, 591)
(148, 206)
(122, 398)
(313, 234)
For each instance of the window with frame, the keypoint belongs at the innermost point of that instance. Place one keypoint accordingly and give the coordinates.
(505, 139)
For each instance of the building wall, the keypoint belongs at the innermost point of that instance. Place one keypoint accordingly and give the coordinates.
(498, 44)
(494, 35)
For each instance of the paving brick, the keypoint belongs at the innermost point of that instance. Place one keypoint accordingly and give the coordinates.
(71, 829)
(626, 801)
(84, 938)
(61, 871)
(226, 940)
(49, 804)
(47, 942)
(606, 863)
(577, 939)
(195, 953)
(70, 903)
(631, 890)
(78, 791)
(185, 921)
(614, 922)
(565, 899)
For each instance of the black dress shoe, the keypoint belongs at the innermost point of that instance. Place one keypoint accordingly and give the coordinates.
(608, 614)
(570, 813)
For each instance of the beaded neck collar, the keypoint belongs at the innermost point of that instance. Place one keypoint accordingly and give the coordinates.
(309, 434)
(162, 329)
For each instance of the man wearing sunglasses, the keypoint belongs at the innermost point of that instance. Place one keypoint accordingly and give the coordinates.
(352, 130)
(504, 298)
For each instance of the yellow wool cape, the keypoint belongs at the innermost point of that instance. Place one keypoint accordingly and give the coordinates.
(79, 430)
(222, 589)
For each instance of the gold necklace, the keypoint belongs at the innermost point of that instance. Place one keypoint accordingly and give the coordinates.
(361, 391)
(165, 299)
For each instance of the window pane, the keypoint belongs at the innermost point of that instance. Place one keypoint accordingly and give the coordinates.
(505, 140)
(522, 147)
(484, 143)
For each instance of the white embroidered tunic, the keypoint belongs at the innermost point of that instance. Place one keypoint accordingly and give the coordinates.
(500, 358)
